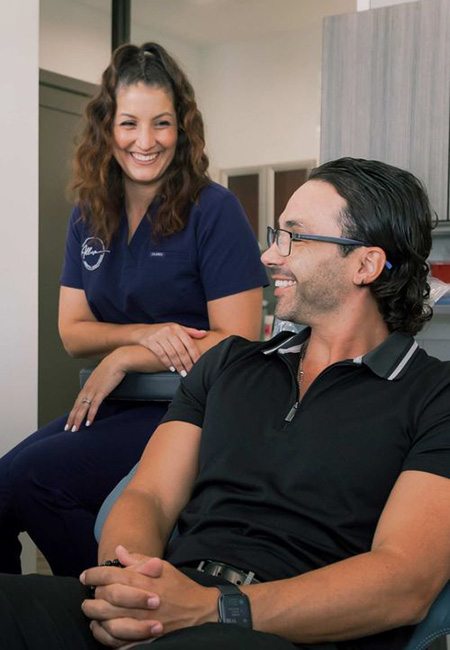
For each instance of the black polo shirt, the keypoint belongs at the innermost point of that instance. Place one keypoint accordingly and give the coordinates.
(282, 491)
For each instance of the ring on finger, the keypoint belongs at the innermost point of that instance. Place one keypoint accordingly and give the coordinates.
(85, 400)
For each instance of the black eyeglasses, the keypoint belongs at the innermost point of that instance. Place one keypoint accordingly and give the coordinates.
(283, 239)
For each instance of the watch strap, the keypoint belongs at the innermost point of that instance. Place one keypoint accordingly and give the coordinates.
(229, 589)
(114, 562)
(233, 606)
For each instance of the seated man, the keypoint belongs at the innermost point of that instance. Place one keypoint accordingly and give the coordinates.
(308, 475)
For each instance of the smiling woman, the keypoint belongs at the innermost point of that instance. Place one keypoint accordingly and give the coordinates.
(160, 265)
(145, 133)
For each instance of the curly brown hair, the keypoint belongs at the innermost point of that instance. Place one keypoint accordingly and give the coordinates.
(97, 177)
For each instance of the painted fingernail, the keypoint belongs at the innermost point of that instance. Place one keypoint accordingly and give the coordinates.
(183, 373)
(66, 428)
(74, 428)
(88, 423)
(156, 629)
(172, 369)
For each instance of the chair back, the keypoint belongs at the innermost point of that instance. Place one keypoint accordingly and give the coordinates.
(135, 386)
(435, 625)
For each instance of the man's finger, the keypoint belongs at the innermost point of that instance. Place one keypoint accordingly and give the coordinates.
(128, 602)
(129, 629)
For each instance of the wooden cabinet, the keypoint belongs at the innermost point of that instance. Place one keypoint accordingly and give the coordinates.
(386, 90)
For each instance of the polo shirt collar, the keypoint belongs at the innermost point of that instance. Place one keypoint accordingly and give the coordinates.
(389, 360)
(287, 342)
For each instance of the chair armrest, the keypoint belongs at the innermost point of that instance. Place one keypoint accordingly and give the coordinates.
(141, 386)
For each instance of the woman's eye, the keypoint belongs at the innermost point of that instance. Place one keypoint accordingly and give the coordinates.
(127, 123)
(163, 123)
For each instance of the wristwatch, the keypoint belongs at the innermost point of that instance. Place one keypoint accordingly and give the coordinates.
(234, 606)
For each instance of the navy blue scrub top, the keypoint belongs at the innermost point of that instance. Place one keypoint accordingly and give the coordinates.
(171, 279)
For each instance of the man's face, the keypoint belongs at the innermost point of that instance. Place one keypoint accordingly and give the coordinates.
(314, 280)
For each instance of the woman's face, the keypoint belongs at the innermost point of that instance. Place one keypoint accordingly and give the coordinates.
(144, 132)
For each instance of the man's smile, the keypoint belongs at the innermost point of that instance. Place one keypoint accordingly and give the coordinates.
(285, 283)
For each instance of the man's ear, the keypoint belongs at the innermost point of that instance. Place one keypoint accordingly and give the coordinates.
(371, 262)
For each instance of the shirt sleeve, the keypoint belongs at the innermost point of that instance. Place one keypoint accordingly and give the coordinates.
(430, 451)
(229, 255)
(71, 275)
(189, 402)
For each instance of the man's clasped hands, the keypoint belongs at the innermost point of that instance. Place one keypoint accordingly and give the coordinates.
(145, 599)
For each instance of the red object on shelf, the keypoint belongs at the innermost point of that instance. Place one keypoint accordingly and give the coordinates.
(441, 270)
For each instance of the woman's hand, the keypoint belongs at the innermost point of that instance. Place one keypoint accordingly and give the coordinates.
(174, 345)
(106, 376)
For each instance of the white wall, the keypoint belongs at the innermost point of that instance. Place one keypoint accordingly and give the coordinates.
(75, 38)
(19, 230)
(261, 99)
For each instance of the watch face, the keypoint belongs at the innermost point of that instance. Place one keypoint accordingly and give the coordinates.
(235, 608)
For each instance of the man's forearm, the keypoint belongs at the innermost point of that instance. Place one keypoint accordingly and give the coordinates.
(135, 523)
(143, 517)
(350, 599)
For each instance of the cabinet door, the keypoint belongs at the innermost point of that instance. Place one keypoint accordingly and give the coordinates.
(61, 103)
(386, 90)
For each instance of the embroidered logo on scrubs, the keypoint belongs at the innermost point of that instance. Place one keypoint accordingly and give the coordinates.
(92, 253)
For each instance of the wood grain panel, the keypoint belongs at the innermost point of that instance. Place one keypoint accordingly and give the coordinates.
(386, 90)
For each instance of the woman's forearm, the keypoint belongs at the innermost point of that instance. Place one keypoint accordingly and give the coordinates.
(83, 336)
(90, 338)
(85, 339)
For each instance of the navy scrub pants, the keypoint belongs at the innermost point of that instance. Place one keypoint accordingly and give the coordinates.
(53, 483)
(44, 613)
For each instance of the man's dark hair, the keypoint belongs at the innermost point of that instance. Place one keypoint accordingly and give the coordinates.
(388, 207)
